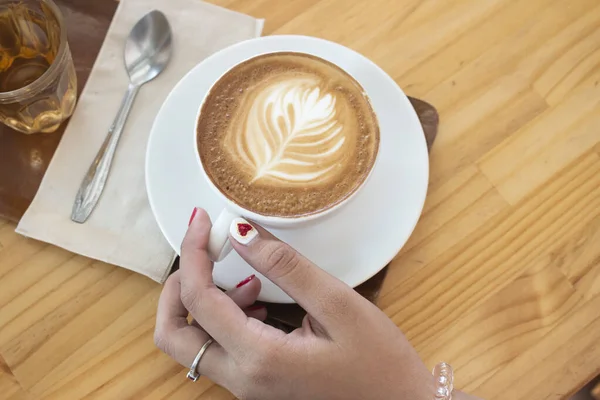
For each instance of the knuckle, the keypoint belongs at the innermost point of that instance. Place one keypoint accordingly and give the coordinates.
(281, 260)
(161, 339)
(336, 302)
(190, 297)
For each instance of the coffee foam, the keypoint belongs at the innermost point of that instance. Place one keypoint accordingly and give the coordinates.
(293, 132)
(287, 134)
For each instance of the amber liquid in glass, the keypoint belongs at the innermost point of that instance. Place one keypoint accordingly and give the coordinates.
(29, 45)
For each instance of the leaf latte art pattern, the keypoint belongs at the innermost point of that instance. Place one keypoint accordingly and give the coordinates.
(291, 133)
(287, 134)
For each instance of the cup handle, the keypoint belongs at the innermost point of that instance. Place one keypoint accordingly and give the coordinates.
(218, 241)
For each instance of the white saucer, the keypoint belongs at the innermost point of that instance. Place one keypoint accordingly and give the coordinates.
(353, 243)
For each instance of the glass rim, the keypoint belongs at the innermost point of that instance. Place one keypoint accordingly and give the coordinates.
(44, 79)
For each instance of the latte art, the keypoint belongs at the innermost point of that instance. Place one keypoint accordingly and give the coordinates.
(287, 134)
(291, 133)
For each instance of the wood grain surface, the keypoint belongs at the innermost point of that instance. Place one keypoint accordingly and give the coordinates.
(502, 275)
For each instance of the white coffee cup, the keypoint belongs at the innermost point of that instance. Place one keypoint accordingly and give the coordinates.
(219, 245)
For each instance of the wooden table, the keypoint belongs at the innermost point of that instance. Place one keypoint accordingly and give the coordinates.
(502, 275)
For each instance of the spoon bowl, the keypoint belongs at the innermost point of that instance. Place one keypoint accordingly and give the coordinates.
(148, 48)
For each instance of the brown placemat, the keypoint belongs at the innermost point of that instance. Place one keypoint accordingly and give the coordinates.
(24, 158)
(289, 316)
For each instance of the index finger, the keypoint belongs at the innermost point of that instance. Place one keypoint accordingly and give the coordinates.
(214, 310)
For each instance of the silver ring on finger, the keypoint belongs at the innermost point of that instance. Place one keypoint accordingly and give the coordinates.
(193, 372)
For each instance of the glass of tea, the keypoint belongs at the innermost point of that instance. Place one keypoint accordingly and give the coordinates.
(38, 85)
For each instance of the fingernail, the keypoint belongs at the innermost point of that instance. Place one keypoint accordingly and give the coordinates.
(193, 215)
(255, 307)
(248, 279)
(242, 231)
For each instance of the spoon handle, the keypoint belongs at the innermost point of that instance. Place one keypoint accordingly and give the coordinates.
(93, 183)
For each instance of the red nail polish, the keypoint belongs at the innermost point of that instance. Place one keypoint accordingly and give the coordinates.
(245, 281)
(243, 229)
(255, 307)
(193, 215)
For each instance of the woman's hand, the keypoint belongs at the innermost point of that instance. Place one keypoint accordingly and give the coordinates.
(346, 348)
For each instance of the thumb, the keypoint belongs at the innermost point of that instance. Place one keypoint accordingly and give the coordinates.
(323, 296)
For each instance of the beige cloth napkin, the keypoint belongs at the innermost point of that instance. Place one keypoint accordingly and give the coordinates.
(122, 229)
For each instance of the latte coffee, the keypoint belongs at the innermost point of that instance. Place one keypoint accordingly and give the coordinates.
(287, 135)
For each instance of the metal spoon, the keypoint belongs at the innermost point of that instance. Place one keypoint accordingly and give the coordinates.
(147, 53)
